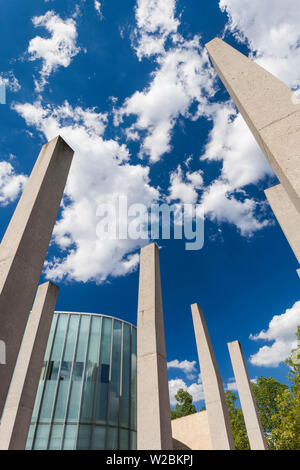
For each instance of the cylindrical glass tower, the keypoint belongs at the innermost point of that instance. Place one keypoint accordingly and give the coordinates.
(86, 397)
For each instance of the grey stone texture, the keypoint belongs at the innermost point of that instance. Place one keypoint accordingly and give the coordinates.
(218, 417)
(153, 403)
(24, 247)
(191, 432)
(269, 108)
(20, 400)
(254, 430)
(287, 216)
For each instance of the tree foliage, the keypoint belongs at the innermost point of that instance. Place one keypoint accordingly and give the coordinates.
(184, 406)
(237, 422)
(286, 433)
(278, 408)
(269, 393)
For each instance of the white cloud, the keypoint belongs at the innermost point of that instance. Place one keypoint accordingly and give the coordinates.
(155, 22)
(243, 163)
(182, 78)
(221, 205)
(56, 51)
(188, 367)
(231, 142)
(97, 6)
(231, 385)
(11, 184)
(271, 31)
(10, 81)
(282, 333)
(184, 188)
(272, 34)
(195, 389)
(100, 172)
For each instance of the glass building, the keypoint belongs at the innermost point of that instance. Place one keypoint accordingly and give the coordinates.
(86, 397)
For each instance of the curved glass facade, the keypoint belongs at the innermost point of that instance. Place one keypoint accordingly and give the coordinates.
(86, 397)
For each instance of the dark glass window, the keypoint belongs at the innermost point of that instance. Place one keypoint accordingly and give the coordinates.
(78, 371)
(65, 370)
(52, 370)
(104, 377)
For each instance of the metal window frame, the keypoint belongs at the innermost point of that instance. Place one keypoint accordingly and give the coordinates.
(58, 382)
(70, 384)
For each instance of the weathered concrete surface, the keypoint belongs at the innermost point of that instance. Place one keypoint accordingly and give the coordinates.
(287, 215)
(269, 108)
(24, 247)
(153, 402)
(191, 432)
(255, 433)
(20, 400)
(218, 417)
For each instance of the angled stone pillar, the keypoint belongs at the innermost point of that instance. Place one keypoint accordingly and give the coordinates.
(153, 403)
(268, 107)
(287, 216)
(24, 247)
(20, 400)
(218, 417)
(255, 433)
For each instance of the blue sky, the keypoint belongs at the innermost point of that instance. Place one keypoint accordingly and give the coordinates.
(130, 87)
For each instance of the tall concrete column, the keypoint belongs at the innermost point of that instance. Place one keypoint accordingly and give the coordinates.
(268, 107)
(153, 403)
(20, 400)
(287, 216)
(255, 433)
(218, 417)
(24, 247)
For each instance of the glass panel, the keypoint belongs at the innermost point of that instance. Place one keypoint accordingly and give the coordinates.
(77, 376)
(133, 378)
(53, 367)
(30, 437)
(70, 437)
(51, 335)
(43, 374)
(65, 371)
(91, 371)
(56, 436)
(133, 445)
(99, 438)
(126, 363)
(114, 395)
(59, 337)
(103, 377)
(124, 436)
(112, 439)
(41, 437)
(84, 437)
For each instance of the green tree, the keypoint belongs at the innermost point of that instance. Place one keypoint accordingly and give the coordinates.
(269, 394)
(237, 422)
(184, 404)
(286, 434)
(278, 408)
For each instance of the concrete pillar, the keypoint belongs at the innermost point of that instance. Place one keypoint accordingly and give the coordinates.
(287, 216)
(153, 403)
(218, 417)
(269, 108)
(24, 247)
(255, 433)
(20, 400)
